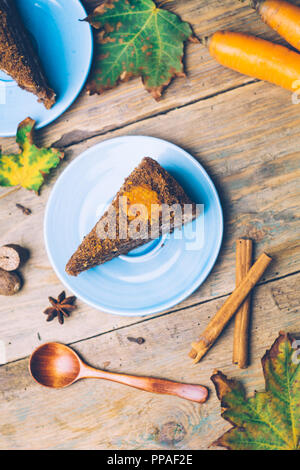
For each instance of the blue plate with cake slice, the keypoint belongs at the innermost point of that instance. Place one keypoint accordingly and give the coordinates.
(132, 277)
(45, 65)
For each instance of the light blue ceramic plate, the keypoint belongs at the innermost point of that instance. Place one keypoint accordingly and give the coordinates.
(65, 48)
(154, 277)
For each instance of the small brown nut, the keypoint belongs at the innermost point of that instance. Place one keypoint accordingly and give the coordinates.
(12, 256)
(10, 283)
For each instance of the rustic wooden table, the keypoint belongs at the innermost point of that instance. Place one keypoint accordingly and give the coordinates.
(246, 134)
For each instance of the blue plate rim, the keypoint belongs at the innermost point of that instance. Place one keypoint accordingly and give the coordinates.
(72, 99)
(202, 276)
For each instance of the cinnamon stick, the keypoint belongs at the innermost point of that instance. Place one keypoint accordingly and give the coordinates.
(231, 305)
(241, 327)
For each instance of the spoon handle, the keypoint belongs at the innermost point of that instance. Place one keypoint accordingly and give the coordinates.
(196, 393)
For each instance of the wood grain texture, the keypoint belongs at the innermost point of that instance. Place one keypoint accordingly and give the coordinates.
(100, 415)
(246, 139)
(247, 135)
(94, 115)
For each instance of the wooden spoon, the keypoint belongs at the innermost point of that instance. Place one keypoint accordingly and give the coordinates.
(56, 365)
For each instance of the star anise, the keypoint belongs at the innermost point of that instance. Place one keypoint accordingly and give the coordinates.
(61, 307)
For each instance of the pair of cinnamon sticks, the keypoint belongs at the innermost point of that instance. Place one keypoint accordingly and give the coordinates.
(238, 302)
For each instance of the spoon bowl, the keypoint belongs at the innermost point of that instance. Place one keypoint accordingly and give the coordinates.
(56, 365)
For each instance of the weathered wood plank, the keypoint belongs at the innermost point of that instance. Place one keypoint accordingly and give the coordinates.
(246, 139)
(102, 415)
(93, 115)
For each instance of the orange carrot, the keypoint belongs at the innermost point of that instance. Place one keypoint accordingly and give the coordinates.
(257, 58)
(281, 16)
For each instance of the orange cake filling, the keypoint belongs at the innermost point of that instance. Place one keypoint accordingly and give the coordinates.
(141, 195)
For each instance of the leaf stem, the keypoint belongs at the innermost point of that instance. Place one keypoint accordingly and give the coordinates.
(15, 189)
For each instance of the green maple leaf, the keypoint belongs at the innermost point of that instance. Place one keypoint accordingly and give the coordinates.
(137, 39)
(28, 167)
(269, 420)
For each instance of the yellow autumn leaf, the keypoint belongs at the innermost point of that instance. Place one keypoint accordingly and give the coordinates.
(28, 167)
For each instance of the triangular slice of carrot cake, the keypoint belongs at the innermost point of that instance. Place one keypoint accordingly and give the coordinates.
(149, 204)
(18, 57)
